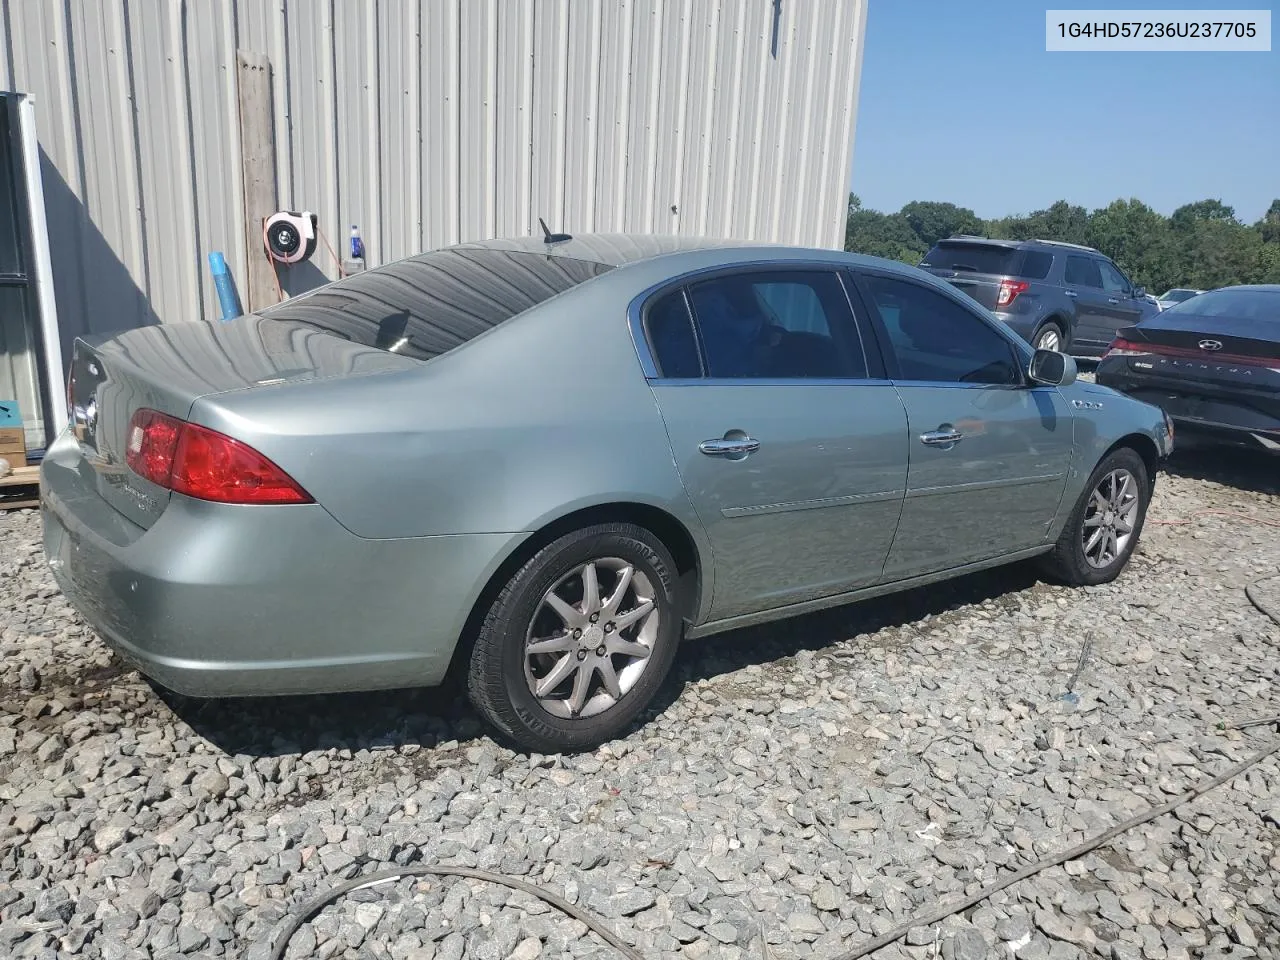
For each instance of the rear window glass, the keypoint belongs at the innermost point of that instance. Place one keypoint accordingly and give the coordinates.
(989, 258)
(1242, 304)
(427, 305)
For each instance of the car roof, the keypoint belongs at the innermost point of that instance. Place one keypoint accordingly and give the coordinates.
(1019, 244)
(626, 249)
(613, 249)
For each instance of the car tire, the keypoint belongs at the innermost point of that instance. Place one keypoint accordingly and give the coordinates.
(547, 603)
(1078, 559)
(1050, 332)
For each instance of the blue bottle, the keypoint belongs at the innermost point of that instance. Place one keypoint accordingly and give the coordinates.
(357, 245)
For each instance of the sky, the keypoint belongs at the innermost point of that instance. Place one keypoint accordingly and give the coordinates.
(960, 102)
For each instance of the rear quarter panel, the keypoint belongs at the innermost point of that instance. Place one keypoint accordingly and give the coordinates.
(541, 416)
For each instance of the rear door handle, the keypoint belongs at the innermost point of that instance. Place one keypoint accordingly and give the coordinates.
(1071, 293)
(941, 437)
(729, 446)
(1112, 300)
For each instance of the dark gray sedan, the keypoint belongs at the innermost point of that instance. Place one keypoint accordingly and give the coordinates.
(546, 463)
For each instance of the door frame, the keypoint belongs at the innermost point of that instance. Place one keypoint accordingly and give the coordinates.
(36, 273)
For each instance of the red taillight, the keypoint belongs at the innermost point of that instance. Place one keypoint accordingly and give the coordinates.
(152, 443)
(1009, 290)
(202, 463)
(1120, 347)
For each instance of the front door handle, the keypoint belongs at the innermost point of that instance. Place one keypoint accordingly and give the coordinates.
(941, 437)
(729, 446)
(1112, 300)
(1071, 293)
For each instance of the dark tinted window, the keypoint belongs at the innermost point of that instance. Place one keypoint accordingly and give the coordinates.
(1113, 281)
(936, 339)
(670, 331)
(1035, 264)
(989, 258)
(777, 325)
(1083, 271)
(1241, 303)
(428, 305)
(10, 231)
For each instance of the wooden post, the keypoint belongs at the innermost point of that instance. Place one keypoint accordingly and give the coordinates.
(258, 164)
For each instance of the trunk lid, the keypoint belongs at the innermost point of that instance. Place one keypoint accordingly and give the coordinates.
(983, 287)
(168, 368)
(1209, 337)
(978, 266)
(1196, 364)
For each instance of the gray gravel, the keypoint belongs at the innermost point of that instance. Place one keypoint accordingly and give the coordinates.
(816, 782)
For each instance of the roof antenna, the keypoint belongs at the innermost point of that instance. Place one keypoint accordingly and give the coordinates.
(549, 237)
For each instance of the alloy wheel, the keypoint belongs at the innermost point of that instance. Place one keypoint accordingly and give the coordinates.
(1049, 340)
(1110, 518)
(590, 638)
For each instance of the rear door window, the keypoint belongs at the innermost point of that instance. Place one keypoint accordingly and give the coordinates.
(1083, 272)
(935, 339)
(777, 325)
(669, 328)
(427, 305)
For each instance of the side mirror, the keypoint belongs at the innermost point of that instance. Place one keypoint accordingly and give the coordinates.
(1052, 369)
(1139, 292)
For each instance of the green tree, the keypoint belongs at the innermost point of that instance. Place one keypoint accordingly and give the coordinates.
(1138, 239)
(932, 221)
(1201, 211)
(881, 235)
(1061, 221)
(1203, 244)
(1269, 225)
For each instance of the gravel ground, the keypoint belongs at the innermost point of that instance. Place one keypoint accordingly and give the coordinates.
(816, 782)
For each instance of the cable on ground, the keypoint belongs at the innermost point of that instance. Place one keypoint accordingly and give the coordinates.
(1234, 514)
(313, 907)
(593, 923)
(1263, 605)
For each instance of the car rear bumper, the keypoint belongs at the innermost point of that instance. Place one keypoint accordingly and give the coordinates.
(1206, 410)
(222, 600)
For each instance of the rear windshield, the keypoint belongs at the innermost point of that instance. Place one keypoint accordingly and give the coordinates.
(989, 258)
(1238, 304)
(427, 305)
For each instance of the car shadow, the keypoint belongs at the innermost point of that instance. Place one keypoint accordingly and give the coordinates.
(262, 727)
(1250, 470)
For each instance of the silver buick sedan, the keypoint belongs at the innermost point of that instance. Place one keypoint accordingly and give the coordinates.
(547, 462)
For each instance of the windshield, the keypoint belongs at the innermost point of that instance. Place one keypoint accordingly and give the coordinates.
(1240, 303)
(425, 306)
(1177, 296)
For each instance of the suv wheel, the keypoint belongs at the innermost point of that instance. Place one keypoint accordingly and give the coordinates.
(1049, 337)
(578, 642)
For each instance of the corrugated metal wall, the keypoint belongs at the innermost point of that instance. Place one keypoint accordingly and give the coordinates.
(426, 123)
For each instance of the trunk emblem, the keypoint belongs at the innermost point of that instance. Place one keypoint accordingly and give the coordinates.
(1211, 345)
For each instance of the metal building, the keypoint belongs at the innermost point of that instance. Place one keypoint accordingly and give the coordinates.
(167, 130)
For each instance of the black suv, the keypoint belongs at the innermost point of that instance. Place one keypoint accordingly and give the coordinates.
(1056, 296)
